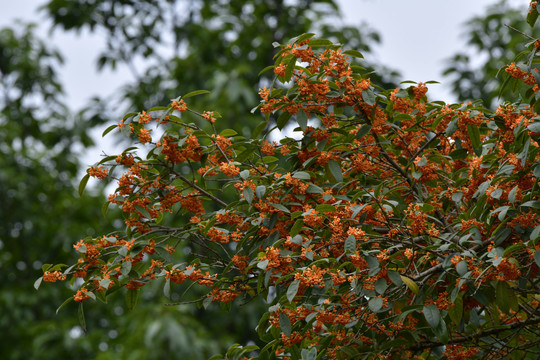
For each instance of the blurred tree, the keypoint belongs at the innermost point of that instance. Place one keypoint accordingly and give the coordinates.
(39, 146)
(176, 46)
(475, 71)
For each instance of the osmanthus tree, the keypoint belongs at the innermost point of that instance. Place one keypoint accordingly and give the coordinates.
(395, 227)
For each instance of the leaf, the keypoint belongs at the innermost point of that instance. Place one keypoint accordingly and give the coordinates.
(335, 170)
(260, 190)
(354, 53)
(310, 354)
(350, 245)
(195, 93)
(535, 233)
(259, 129)
(302, 119)
(301, 175)
(395, 277)
(132, 297)
(295, 229)
(283, 119)
(292, 290)
(502, 296)
(432, 315)
(248, 194)
(381, 286)
(82, 320)
(109, 129)
(532, 203)
(82, 184)
(461, 268)
(410, 284)
(368, 96)
(37, 283)
(534, 127)
(285, 324)
(363, 131)
(228, 133)
(375, 304)
(143, 212)
(537, 257)
(456, 312)
(280, 207)
(68, 300)
(532, 16)
(474, 136)
(324, 208)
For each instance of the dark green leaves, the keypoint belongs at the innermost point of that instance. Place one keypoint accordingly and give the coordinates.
(82, 184)
(432, 315)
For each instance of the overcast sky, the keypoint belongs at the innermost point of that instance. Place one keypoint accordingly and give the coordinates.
(417, 36)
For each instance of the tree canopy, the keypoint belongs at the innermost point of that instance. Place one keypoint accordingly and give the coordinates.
(394, 227)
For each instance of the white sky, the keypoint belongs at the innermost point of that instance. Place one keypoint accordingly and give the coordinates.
(417, 36)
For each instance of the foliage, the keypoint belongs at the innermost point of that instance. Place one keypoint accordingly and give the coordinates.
(395, 226)
(495, 40)
(204, 44)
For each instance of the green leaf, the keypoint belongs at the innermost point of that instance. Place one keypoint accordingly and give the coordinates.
(441, 332)
(535, 233)
(82, 184)
(37, 283)
(324, 208)
(285, 324)
(283, 119)
(350, 245)
(292, 290)
(354, 53)
(195, 93)
(335, 171)
(310, 354)
(375, 304)
(456, 312)
(432, 315)
(248, 194)
(474, 136)
(363, 131)
(534, 127)
(68, 300)
(295, 229)
(461, 268)
(368, 96)
(280, 207)
(532, 16)
(301, 175)
(228, 133)
(259, 129)
(132, 296)
(302, 119)
(395, 277)
(109, 129)
(143, 212)
(532, 203)
(381, 286)
(82, 320)
(537, 257)
(260, 190)
(502, 296)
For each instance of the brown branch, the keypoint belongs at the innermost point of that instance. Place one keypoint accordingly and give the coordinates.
(427, 344)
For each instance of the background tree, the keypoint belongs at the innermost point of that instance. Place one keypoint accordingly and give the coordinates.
(205, 44)
(490, 45)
